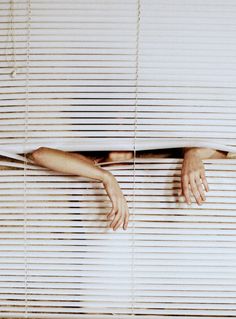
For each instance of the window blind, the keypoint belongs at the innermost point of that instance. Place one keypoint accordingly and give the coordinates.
(88, 62)
(101, 75)
(59, 260)
(82, 73)
(187, 71)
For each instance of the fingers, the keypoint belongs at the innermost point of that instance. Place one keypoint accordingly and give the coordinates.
(120, 216)
(117, 220)
(193, 179)
(126, 221)
(204, 180)
(119, 213)
(112, 213)
(195, 190)
(185, 189)
(193, 183)
(200, 189)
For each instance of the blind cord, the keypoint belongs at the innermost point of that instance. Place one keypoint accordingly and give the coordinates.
(134, 156)
(25, 158)
(11, 39)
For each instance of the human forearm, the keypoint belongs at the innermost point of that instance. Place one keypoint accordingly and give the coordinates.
(77, 164)
(68, 163)
(203, 153)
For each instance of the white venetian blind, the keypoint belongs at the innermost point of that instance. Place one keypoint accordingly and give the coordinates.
(97, 75)
(58, 259)
(187, 71)
(83, 65)
(81, 71)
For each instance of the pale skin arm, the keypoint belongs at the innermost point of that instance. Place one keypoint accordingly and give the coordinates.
(80, 165)
(193, 178)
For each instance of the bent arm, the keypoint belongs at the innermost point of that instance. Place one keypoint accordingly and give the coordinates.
(68, 163)
(77, 164)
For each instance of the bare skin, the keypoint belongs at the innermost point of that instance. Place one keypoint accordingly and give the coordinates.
(119, 156)
(193, 178)
(80, 165)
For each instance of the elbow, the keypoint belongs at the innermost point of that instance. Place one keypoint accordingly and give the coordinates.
(38, 154)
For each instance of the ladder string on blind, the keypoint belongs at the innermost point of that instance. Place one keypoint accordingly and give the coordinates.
(135, 150)
(165, 71)
(11, 40)
(25, 151)
(165, 235)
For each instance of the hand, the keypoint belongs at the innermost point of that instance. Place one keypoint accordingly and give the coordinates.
(120, 212)
(192, 178)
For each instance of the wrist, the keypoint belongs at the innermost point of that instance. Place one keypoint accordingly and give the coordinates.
(204, 153)
(201, 153)
(98, 173)
(191, 151)
(106, 176)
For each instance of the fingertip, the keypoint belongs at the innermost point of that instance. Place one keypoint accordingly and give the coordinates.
(179, 192)
(199, 200)
(188, 200)
(116, 227)
(111, 225)
(125, 226)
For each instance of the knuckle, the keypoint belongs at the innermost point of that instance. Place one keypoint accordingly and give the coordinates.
(115, 207)
(192, 174)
